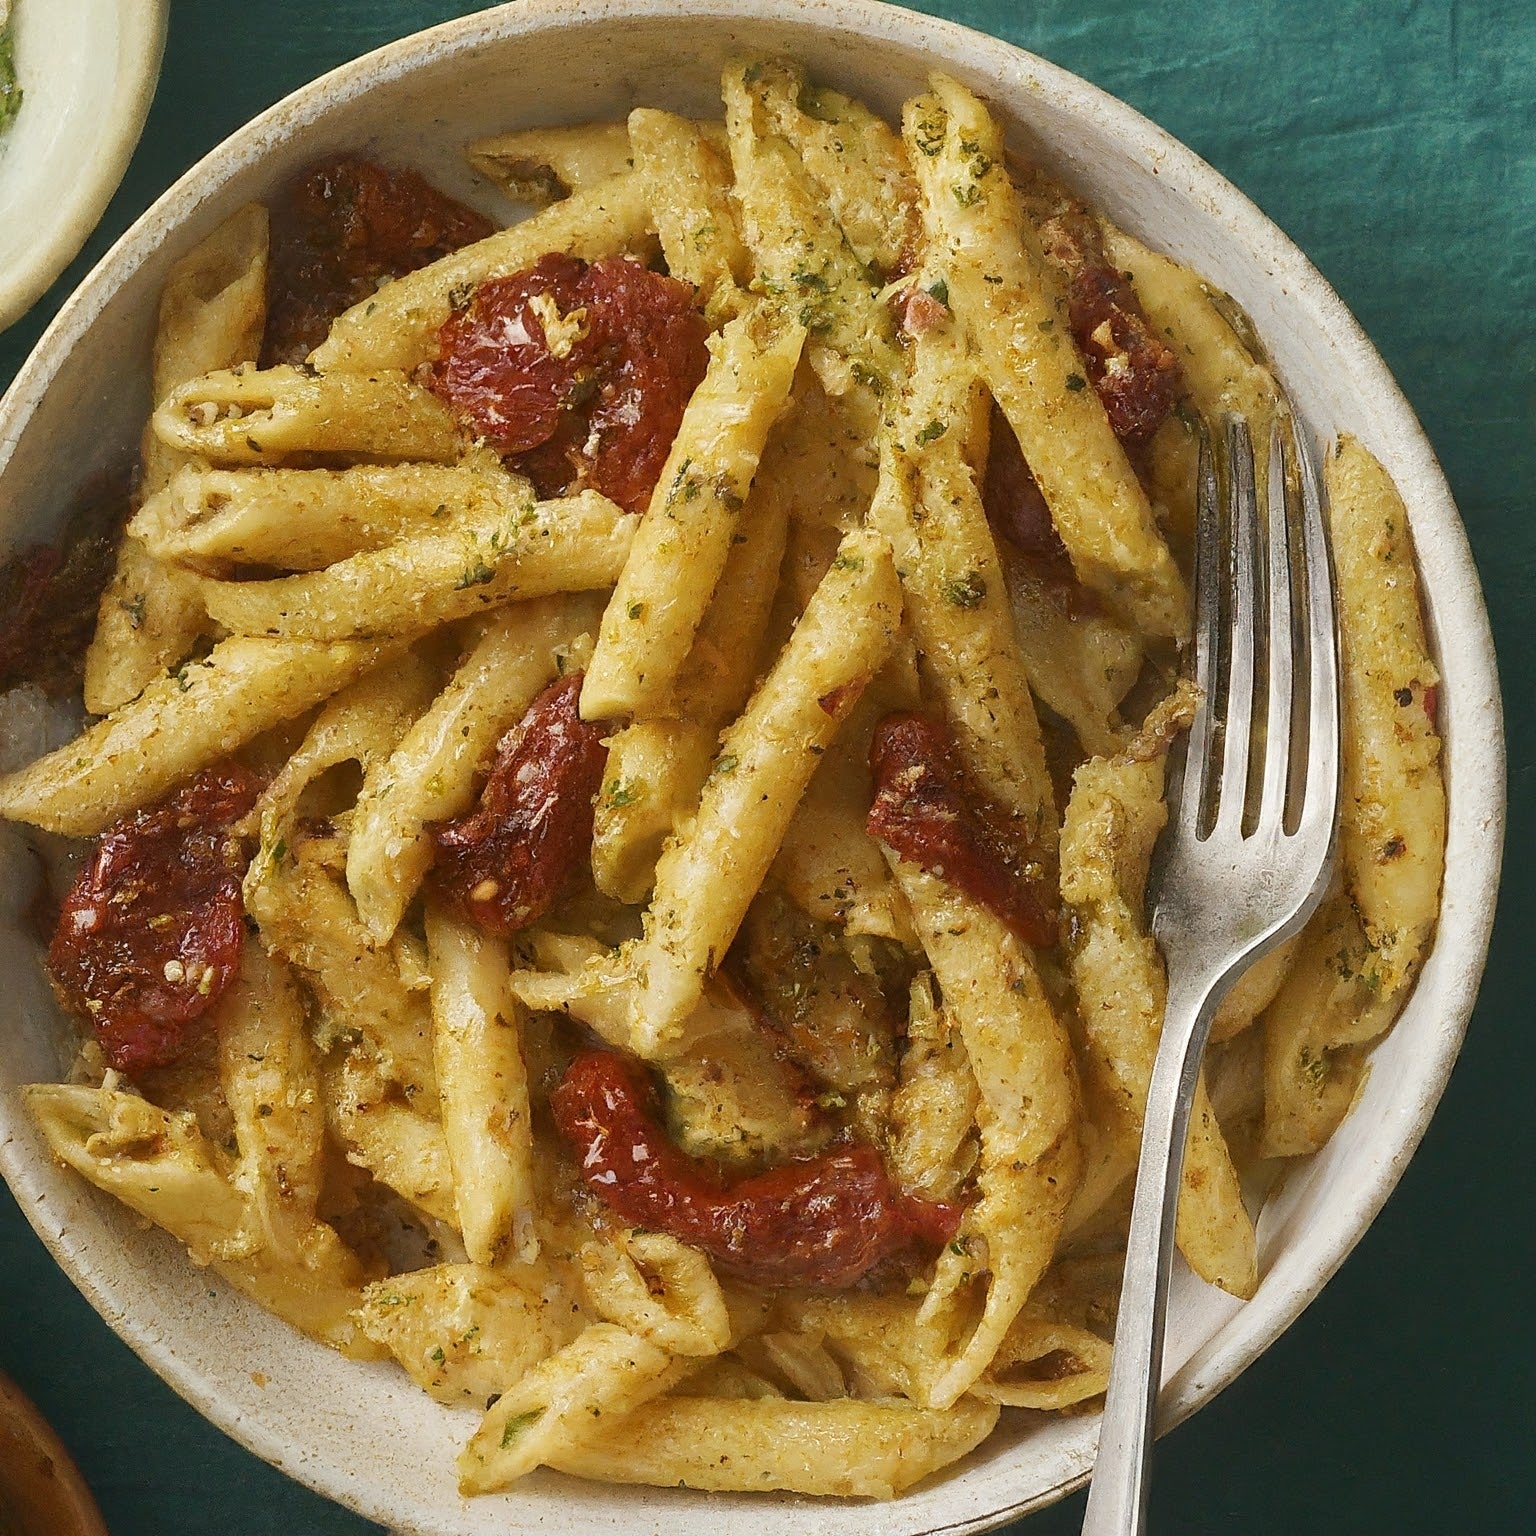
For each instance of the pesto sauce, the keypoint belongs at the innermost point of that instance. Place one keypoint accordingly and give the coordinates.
(10, 92)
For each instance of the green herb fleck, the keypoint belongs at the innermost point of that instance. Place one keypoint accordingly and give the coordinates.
(1075, 382)
(967, 194)
(1048, 325)
(636, 610)
(517, 1424)
(437, 1355)
(940, 291)
(727, 764)
(848, 563)
(134, 609)
(933, 430)
(965, 591)
(867, 376)
(621, 792)
(10, 92)
(475, 575)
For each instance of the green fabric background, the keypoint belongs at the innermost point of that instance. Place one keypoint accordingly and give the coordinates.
(1395, 141)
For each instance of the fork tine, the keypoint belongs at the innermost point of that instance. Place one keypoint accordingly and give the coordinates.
(1320, 807)
(1193, 792)
(1237, 706)
(1278, 731)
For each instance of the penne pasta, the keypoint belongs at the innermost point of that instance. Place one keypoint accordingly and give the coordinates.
(929, 506)
(496, 553)
(482, 1088)
(1030, 1157)
(543, 165)
(463, 1331)
(212, 311)
(397, 327)
(268, 416)
(159, 1165)
(606, 1371)
(705, 880)
(1392, 841)
(198, 715)
(306, 519)
(651, 620)
(841, 1449)
(430, 775)
(976, 234)
(1113, 818)
(687, 184)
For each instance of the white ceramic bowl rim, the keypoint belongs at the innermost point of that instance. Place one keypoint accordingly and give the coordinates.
(1470, 709)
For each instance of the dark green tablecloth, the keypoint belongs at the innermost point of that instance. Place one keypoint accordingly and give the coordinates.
(1395, 140)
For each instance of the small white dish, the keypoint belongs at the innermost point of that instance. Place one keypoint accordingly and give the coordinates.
(361, 1432)
(87, 71)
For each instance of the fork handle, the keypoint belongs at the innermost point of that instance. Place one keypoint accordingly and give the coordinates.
(1117, 1498)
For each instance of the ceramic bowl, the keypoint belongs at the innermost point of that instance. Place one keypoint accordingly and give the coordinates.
(87, 70)
(362, 1433)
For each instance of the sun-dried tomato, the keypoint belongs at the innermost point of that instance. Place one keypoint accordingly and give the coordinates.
(150, 934)
(823, 1221)
(49, 594)
(920, 310)
(1021, 522)
(1133, 369)
(578, 374)
(922, 812)
(502, 864)
(338, 231)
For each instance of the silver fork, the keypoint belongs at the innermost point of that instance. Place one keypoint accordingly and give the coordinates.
(1244, 861)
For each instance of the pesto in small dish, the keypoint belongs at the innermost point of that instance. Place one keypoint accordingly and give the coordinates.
(10, 91)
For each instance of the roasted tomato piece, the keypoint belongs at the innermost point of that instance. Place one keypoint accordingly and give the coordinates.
(505, 862)
(578, 374)
(341, 229)
(49, 594)
(922, 812)
(1021, 522)
(149, 935)
(1133, 369)
(822, 1221)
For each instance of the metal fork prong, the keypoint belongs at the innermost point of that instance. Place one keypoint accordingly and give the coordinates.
(1277, 723)
(1193, 791)
(1320, 808)
(1242, 623)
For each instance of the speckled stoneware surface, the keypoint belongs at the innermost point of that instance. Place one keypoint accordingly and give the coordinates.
(361, 1433)
(87, 70)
